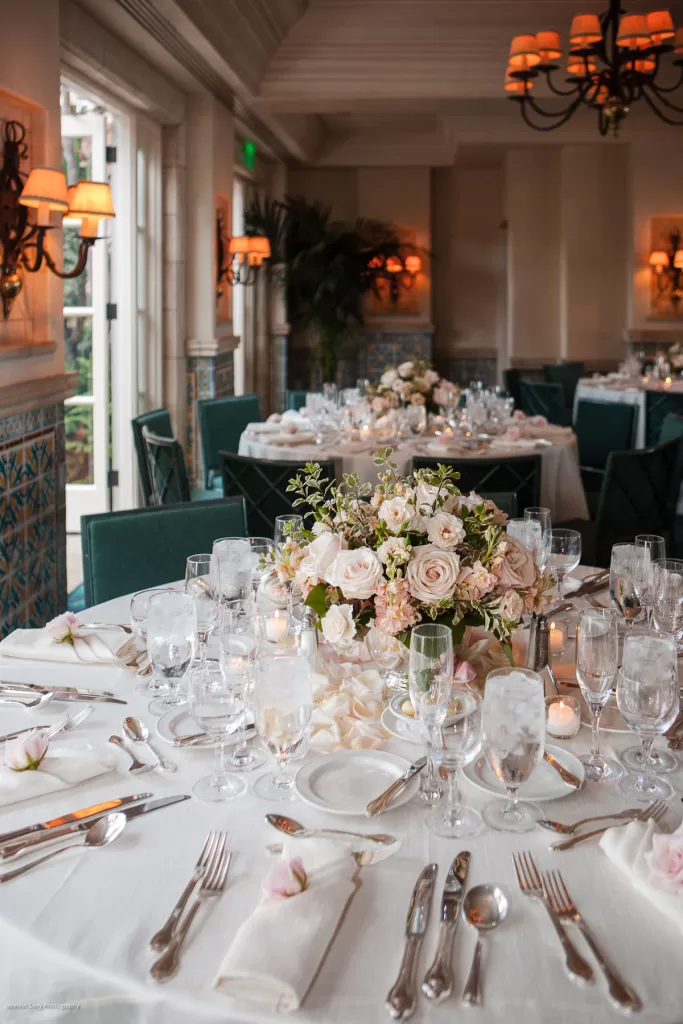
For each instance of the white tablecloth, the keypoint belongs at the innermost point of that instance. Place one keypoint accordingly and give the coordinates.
(561, 487)
(76, 930)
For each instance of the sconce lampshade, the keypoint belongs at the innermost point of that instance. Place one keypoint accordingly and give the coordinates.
(90, 202)
(549, 46)
(524, 52)
(239, 245)
(376, 263)
(678, 259)
(659, 258)
(646, 66)
(259, 246)
(516, 87)
(585, 31)
(45, 190)
(580, 67)
(413, 264)
(633, 32)
(393, 265)
(660, 26)
(678, 41)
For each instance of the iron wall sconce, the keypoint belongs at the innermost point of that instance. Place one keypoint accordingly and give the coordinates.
(667, 265)
(400, 271)
(22, 241)
(245, 256)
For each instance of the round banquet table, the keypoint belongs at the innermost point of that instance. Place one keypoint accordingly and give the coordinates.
(74, 933)
(561, 487)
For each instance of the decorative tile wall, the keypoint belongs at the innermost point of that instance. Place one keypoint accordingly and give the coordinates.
(207, 377)
(464, 369)
(32, 518)
(379, 349)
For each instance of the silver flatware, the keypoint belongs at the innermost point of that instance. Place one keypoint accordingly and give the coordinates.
(138, 732)
(485, 907)
(39, 688)
(402, 996)
(104, 626)
(381, 802)
(162, 938)
(571, 780)
(101, 833)
(530, 884)
(293, 828)
(212, 886)
(568, 830)
(94, 811)
(137, 767)
(623, 997)
(655, 811)
(47, 731)
(438, 981)
(18, 846)
(36, 702)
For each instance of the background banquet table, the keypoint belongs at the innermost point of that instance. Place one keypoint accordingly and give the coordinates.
(77, 929)
(626, 392)
(561, 487)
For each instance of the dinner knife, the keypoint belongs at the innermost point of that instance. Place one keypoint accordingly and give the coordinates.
(85, 812)
(39, 688)
(86, 696)
(29, 842)
(402, 996)
(567, 777)
(381, 802)
(438, 981)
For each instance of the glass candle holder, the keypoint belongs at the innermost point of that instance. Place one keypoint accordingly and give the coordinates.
(557, 637)
(562, 717)
(276, 629)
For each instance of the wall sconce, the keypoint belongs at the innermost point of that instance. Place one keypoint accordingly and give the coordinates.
(22, 241)
(399, 271)
(668, 269)
(245, 253)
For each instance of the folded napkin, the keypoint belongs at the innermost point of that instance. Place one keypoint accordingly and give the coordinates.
(654, 873)
(263, 428)
(519, 442)
(38, 645)
(277, 952)
(60, 769)
(291, 440)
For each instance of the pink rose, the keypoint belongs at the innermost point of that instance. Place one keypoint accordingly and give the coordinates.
(512, 434)
(516, 569)
(518, 415)
(25, 752)
(474, 582)
(665, 861)
(288, 878)
(538, 421)
(433, 574)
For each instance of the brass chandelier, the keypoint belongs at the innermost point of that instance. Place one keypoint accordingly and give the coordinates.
(614, 60)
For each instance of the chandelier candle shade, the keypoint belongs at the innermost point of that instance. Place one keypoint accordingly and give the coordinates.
(613, 61)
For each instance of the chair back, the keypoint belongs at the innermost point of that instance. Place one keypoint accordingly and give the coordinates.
(567, 375)
(542, 399)
(124, 552)
(166, 467)
(657, 407)
(263, 485)
(297, 399)
(638, 495)
(601, 428)
(221, 424)
(159, 422)
(519, 478)
(672, 427)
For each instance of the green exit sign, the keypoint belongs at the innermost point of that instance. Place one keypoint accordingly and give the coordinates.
(249, 155)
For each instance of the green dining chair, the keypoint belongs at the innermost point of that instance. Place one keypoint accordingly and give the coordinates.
(601, 428)
(657, 407)
(221, 424)
(124, 552)
(167, 472)
(672, 427)
(542, 399)
(518, 477)
(297, 399)
(159, 422)
(567, 375)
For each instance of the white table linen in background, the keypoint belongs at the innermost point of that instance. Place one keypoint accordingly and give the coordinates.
(561, 487)
(77, 929)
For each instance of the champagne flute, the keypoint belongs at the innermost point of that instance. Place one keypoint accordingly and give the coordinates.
(667, 588)
(139, 609)
(171, 643)
(513, 740)
(283, 703)
(238, 645)
(539, 534)
(597, 658)
(285, 526)
(430, 680)
(387, 652)
(260, 549)
(198, 586)
(648, 548)
(564, 554)
(461, 738)
(217, 707)
(622, 583)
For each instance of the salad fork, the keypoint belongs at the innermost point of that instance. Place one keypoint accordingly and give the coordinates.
(568, 830)
(656, 811)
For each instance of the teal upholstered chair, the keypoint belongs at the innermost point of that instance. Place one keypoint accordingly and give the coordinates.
(567, 375)
(542, 399)
(296, 399)
(672, 427)
(167, 473)
(601, 428)
(159, 422)
(221, 424)
(128, 551)
(519, 478)
(657, 406)
(263, 485)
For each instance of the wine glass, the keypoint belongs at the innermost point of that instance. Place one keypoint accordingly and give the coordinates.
(648, 548)
(539, 533)
(513, 741)
(139, 610)
(231, 567)
(198, 586)
(238, 645)
(387, 652)
(283, 702)
(667, 586)
(648, 699)
(564, 553)
(597, 659)
(461, 738)
(260, 549)
(217, 706)
(622, 588)
(430, 680)
(171, 643)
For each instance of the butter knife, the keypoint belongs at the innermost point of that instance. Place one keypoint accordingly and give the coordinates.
(402, 997)
(381, 802)
(64, 819)
(438, 981)
(572, 780)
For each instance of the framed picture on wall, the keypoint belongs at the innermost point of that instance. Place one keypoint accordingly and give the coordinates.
(221, 258)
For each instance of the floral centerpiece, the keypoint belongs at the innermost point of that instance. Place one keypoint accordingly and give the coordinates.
(411, 549)
(412, 383)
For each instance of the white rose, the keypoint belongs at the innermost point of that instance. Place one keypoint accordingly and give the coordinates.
(421, 384)
(426, 503)
(338, 626)
(357, 573)
(388, 378)
(445, 530)
(511, 605)
(320, 527)
(432, 377)
(470, 501)
(395, 549)
(433, 574)
(321, 553)
(406, 370)
(396, 513)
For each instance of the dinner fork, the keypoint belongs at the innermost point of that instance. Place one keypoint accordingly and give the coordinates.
(137, 767)
(563, 905)
(656, 811)
(530, 885)
(165, 933)
(46, 730)
(211, 887)
(568, 830)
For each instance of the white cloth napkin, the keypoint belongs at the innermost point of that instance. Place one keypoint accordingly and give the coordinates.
(60, 769)
(277, 952)
(263, 428)
(520, 442)
(626, 848)
(38, 645)
(291, 440)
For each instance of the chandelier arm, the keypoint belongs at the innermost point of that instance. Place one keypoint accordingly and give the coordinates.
(667, 120)
(663, 99)
(559, 92)
(38, 245)
(669, 88)
(563, 118)
(84, 248)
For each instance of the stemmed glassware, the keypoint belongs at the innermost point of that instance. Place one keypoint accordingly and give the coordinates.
(539, 534)
(198, 586)
(139, 610)
(260, 547)
(217, 706)
(231, 566)
(283, 703)
(285, 526)
(461, 738)
(513, 741)
(648, 699)
(430, 678)
(597, 659)
(171, 643)
(387, 653)
(667, 596)
(622, 588)
(648, 549)
(238, 646)
(564, 553)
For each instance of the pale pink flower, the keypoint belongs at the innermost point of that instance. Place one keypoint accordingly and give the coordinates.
(538, 421)
(394, 610)
(357, 573)
(511, 605)
(475, 582)
(396, 513)
(338, 625)
(25, 752)
(288, 560)
(379, 405)
(64, 628)
(665, 861)
(464, 673)
(286, 879)
(517, 568)
(445, 530)
(512, 434)
(433, 574)
(518, 415)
